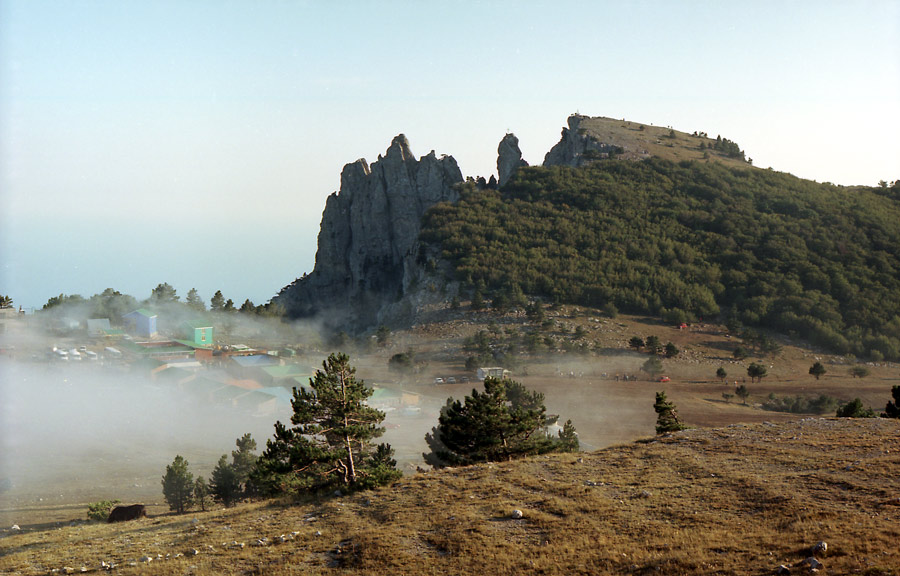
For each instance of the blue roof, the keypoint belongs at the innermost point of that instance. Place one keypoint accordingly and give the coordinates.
(283, 394)
(141, 312)
(255, 360)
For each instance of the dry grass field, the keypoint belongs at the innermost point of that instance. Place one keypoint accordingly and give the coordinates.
(742, 499)
(742, 492)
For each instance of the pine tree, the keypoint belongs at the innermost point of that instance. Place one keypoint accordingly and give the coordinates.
(194, 300)
(653, 366)
(223, 482)
(201, 493)
(243, 460)
(178, 485)
(217, 302)
(330, 443)
(817, 370)
(568, 438)
(667, 416)
(505, 421)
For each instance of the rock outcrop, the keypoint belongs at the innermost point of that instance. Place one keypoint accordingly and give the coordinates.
(509, 158)
(368, 240)
(577, 146)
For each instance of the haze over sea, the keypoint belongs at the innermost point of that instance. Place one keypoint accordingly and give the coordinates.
(195, 144)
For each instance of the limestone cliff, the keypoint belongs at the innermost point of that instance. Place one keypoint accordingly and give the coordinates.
(368, 240)
(509, 158)
(578, 145)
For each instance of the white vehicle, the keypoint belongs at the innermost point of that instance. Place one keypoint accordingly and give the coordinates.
(91, 355)
(74, 354)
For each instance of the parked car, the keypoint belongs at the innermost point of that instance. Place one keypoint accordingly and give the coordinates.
(438, 380)
(663, 378)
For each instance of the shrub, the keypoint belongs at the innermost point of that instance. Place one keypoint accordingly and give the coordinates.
(854, 409)
(892, 409)
(821, 404)
(99, 511)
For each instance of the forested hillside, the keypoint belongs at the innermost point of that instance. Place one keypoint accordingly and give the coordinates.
(687, 241)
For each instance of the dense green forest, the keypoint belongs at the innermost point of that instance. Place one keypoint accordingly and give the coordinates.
(687, 241)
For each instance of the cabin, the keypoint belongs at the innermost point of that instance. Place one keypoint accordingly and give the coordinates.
(198, 333)
(97, 327)
(142, 322)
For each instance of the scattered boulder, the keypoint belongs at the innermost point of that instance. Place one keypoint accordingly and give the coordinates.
(813, 563)
(821, 547)
(517, 515)
(783, 570)
(125, 513)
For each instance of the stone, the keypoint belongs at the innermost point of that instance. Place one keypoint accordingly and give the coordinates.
(783, 570)
(821, 547)
(369, 237)
(509, 158)
(577, 147)
(814, 564)
(517, 515)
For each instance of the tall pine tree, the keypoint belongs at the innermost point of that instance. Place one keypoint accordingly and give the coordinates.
(223, 483)
(330, 443)
(178, 485)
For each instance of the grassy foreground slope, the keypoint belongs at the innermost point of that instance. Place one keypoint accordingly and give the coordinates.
(685, 241)
(743, 499)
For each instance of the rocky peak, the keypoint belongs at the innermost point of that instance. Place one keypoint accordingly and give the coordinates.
(509, 158)
(576, 145)
(368, 240)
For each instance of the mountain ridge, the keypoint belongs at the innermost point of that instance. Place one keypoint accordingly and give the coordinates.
(694, 192)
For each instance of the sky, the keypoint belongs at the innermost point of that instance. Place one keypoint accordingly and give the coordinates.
(195, 143)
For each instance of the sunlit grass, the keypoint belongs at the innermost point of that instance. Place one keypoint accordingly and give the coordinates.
(736, 500)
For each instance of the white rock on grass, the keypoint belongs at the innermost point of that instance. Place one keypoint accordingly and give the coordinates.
(517, 515)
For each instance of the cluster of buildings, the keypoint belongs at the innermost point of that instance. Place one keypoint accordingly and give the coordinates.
(186, 358)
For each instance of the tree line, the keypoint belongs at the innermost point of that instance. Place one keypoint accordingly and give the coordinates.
(330, 444)
(113, 304)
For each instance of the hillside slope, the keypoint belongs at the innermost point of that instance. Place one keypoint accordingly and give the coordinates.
(744, 499)
(685, 241)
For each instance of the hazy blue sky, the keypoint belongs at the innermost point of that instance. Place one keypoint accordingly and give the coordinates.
(195, 143)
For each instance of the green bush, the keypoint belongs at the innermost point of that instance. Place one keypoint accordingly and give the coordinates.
(821, 404)
(99, 511)
(854, 409)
